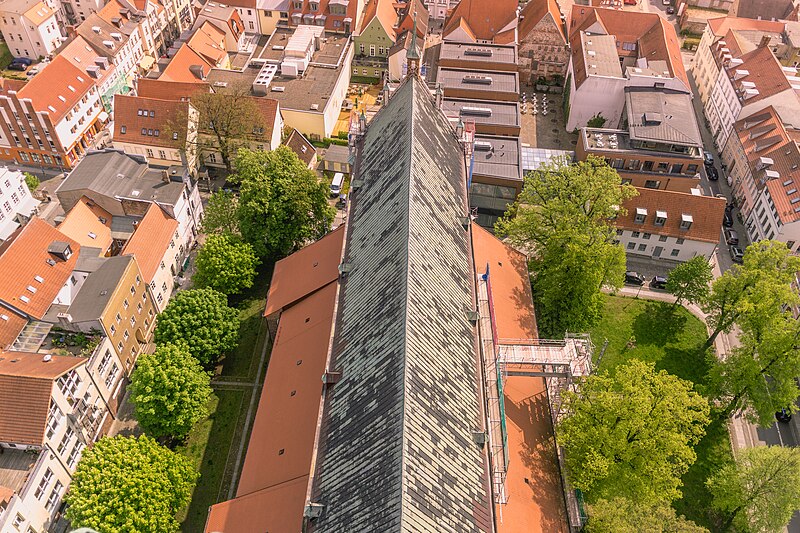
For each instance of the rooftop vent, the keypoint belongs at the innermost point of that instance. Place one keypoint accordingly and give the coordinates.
(482, 52)
(477, 79)
(476, 111)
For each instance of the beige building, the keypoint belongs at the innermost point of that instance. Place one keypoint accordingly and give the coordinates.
(543, 44)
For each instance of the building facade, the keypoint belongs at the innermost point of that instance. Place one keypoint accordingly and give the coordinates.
(30, 28)
(543, 44)
(17, 204)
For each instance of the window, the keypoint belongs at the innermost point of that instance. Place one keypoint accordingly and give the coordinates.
(679, 241)
(101, 368)
(139, 307)
(652, 184)
(620, 232)
(635, 234)
(118, 318)
(123, 129)
(642, 247)
(162, 154)
(113, 328)
(112, 375)
(662, 238)
(361, 48)
(691, 169)
(631, 245)
(18, 520)
(120, 346)
(55, 495)
(69, 383)
(686, 221)
(126, 335)
(53, 420)
(641, 214)
(43, 484)
(646, 236)
(125, 303)
(675, 252)
(73, 455)
(163, 286)
(372, 49)
(790, 245)
(133, 289)
(149, 152)
(65, 440)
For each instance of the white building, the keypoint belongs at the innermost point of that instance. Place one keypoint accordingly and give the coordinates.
(30, 28)
(16, 202)
(669, 225)
(122, 45)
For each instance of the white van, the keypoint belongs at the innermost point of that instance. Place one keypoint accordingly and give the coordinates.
(336, 184)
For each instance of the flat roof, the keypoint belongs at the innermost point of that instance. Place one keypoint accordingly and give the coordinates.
(600, 55)
(497, 157)
(482, 111)
(478, 80)
(496, 53)
(607, 140)
(663, 116)
(15, 466)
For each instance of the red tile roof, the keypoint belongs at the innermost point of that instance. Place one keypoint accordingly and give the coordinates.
(26, 384)
(179, 68)
(301, 146)
(151, 240)
(24, 257)
(149, 121)
(384, 11)
(706, 212)
(208, 41)
(721, 25)
(57, 88)
(11, 325)
(305, 271)
(534, 11)
(89, 225)
(82, 55)
(170, 90)
(491, 21)
(764, 71)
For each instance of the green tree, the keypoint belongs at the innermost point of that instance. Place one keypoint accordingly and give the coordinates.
(225, 264)
(221, 214)
(631, 433)
(32, 181)
(754, 293)
(170, 391)
(282, 204)
(689, 281)
(129, 485)
(563, 218)
(760, 492)
(620, 515)
(597, 121)
(202, 319)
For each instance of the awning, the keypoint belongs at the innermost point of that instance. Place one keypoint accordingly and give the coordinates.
(147, 62)
(103, 116)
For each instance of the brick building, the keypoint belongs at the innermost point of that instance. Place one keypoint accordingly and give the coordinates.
(543, 44)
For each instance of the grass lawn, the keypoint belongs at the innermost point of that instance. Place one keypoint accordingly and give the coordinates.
(207, 446)
(5, 55)
(672, 340)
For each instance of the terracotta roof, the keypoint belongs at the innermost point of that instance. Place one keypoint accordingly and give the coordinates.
(534, 11)
(485, 20)
(39, 13)
(407, 12)
(151, 240)
(8, 84)
(510, 284)
(178, 69)
(26, 385)
(10, 327)
(89, 225)
(57, 88)
(305, 271)
(764, 71)
(169, 90)
(82, 55)
(721, 25)
(25, 257)
(384, 12)
(208, 41)
(706, 212)
(301, 146)
(147, 121)
(5, 494)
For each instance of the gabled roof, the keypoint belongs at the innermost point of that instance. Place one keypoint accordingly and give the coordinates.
(179, 68)
(490, 21)
(58, 88)
(84, 57)
(298, 144)
(88, 224)
(98, 32)
(533, 13)
(305, 271)
(208, 41)
(26, 385)
(149, 121)
(39, 13)
(383, 12)
(402, 340)
(763, 9)
(764, 71)
(151, 240)
(25, 259)
(721, 25)
(97, 291)
(162, 89)
(11, 325)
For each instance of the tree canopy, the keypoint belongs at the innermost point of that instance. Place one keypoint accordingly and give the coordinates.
(170, 391)
(202, 319)
(32, 181)
(563, 217)
(620, 515)
(225, 264)
(220, 214)
(689, 281)
(631, 433)
(129, 485)
(760, 492)
(282, 204)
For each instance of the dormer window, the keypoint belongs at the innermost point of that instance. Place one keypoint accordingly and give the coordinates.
(686, 221)
(313, 6)
(123, 129)
(641, 214)
(661, 218)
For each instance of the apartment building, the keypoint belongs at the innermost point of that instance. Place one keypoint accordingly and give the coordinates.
(30, 28)
(660, 147)
(89, 225)
(543, 44)
(674, 226)
(339, 16)
(271, 14)
(120, 42)
(96, 67)
(17, 204)
(477, 21)
(52, 119)
(164, 131)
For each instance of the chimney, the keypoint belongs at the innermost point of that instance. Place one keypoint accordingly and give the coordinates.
(317, 43)
(197, 70)
(764, 41)
(165, 176)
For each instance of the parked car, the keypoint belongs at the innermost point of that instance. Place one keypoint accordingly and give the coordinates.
(727, 220)
(658, 282)
(634, 278)
(784, 415)
(712, 173)
(342, 201)
(666, 2)
(708, 158)
(737, 254)
(670, 10)
(731, 237)
(18, 65)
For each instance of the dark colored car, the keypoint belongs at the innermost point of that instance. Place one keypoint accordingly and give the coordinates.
(634, 278)
(731, 237)
(18, 66)
(737, 254)
(658, 282)
(670, 10)
(712, 173)
(727, 220)
(784, 415)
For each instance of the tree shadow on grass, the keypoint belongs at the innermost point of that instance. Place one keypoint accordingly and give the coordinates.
(658, 324)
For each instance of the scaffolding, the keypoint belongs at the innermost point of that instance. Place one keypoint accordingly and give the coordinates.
(559, 362)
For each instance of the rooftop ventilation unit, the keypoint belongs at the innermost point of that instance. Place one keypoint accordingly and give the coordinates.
(483, 146)
(482, 52)
(476, 111)
(476, 79)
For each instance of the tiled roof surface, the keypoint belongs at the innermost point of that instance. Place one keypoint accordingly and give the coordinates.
(384, 12)
(149, 121)
(79, 53)
(25, 257)
(26, 384)
(534, 11)
(39, 13)
(301, 146)
(179, 68)
(209, 42)
(764, 71)
(151, 240)
(88, 224)
(11, 325)
(57, 88)
(706, 213)
(485, 20)
(270, 509)
(169, 90)
(721, 25)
